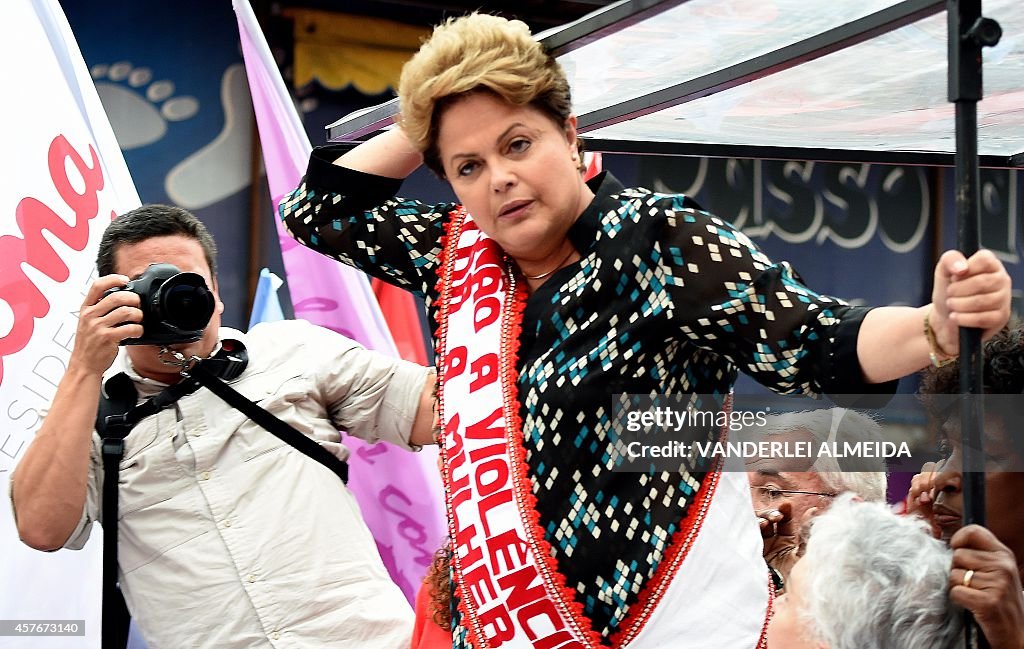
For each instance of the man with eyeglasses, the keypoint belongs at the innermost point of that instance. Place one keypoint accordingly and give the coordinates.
(788, 491)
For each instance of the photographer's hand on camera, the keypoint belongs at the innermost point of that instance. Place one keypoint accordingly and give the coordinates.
(103, 322)
(49, 486)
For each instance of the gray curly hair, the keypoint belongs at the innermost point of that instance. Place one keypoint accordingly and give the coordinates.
(876, 580)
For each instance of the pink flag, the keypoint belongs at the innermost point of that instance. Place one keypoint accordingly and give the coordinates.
(399, 492)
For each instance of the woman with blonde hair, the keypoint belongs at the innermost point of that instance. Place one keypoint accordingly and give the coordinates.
(551, 294)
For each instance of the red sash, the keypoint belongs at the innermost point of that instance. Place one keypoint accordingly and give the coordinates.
(510, 591)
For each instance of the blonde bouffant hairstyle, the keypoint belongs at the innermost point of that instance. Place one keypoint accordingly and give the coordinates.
(477, 53)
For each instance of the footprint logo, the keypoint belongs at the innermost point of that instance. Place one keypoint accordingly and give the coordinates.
(221, 167)
(138, 107)
(142, 111)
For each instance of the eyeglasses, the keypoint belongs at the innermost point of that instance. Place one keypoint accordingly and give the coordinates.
(773, 495)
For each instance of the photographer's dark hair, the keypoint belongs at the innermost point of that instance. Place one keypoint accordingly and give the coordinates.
(151, 221)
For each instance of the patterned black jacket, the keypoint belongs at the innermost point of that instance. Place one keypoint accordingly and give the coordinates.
(665, 299)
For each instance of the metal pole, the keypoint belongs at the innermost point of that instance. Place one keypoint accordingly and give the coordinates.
(969, 32)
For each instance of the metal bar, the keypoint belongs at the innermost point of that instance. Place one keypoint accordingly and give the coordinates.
(965, 90)
(754, 151)
(968, 222)
(364, 122)
(968, 209)
(602, 22)
(784, 58)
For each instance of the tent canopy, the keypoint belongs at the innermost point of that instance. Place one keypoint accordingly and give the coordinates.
(854, 80)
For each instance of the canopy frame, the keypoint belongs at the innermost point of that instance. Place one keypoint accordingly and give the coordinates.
(361, 125)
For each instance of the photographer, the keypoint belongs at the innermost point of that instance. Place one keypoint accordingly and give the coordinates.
(228, 536)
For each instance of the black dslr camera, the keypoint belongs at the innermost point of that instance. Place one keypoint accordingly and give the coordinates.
(176, 306)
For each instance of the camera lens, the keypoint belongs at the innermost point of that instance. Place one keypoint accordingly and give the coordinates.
(184, 302)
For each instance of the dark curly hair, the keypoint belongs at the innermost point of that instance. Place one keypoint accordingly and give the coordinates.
(1003, 372)
(439, 583)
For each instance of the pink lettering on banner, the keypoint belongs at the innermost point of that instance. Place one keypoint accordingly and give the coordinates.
(25, 299)
(324, 305)
(316, 304)
(394, 501)
(370, 451)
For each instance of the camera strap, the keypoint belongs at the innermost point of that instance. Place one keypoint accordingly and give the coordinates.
(118, 414)
(284, 431)
(116, 401)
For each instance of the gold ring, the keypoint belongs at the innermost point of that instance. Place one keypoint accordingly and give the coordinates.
(968, 576)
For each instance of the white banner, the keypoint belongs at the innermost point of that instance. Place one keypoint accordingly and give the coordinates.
(62, 177)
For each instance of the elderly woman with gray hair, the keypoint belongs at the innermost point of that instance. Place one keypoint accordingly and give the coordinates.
(868, 579)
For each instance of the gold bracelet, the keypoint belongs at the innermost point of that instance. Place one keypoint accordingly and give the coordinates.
(937, 354)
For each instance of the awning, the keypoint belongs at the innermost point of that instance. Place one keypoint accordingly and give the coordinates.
(857, 80)
(340, 50)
